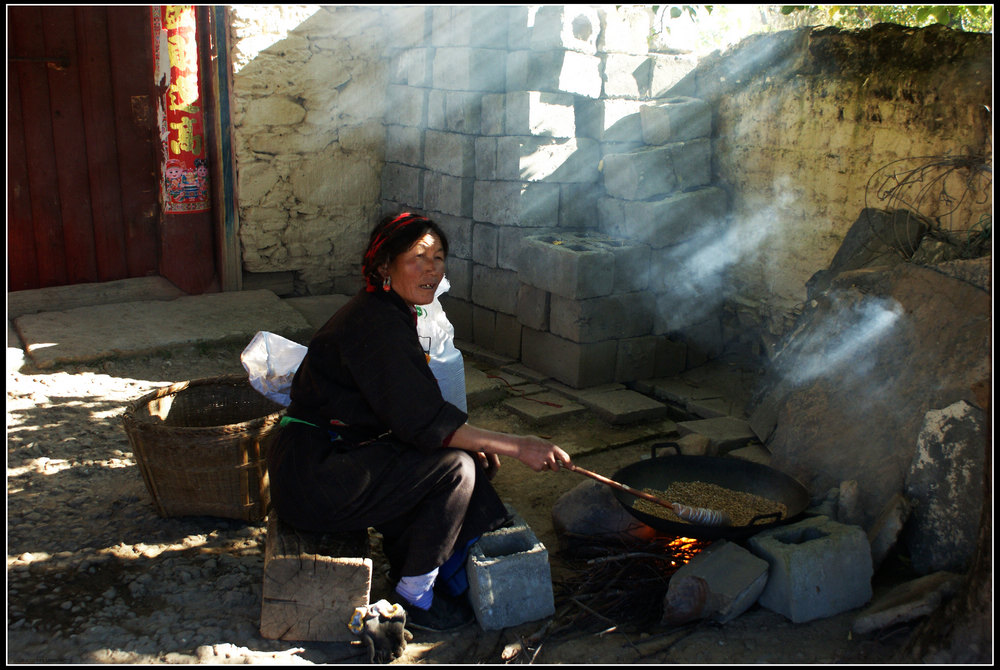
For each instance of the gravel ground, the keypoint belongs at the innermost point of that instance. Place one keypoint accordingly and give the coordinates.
(94, 575)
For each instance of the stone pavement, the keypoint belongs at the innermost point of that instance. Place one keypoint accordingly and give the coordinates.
(91, 322)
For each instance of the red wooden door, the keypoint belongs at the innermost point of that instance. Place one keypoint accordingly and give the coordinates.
(82, 190)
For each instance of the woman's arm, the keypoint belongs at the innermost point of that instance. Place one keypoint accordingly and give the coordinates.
(536, 453)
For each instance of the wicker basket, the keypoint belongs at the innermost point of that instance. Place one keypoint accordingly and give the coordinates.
(201, 446)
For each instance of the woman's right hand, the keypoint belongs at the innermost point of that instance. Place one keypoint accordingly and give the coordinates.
(539, 454)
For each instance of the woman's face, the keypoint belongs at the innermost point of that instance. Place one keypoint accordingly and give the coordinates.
(416, 273)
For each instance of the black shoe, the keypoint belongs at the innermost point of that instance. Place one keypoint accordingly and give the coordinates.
(445, 614)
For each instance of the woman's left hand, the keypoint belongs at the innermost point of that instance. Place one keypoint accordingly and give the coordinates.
(490, 463)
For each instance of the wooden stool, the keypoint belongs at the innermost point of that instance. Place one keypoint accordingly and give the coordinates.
(313, 582)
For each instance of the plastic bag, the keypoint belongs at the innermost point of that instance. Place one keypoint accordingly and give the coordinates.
(437, 337)
(271, 361)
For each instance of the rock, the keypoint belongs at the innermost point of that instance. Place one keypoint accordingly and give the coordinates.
(869, 346)
(719, 584)
(848, 504)
(946, 482)
(590, 509)
(885, 531)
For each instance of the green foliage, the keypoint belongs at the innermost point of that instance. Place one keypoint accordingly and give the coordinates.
(969, 18)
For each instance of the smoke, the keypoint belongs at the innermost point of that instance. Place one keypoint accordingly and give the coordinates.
(843, 343)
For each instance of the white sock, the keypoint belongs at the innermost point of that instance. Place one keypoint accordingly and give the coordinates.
(418, 589)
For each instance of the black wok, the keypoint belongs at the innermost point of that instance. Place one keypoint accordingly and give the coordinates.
(732, 473)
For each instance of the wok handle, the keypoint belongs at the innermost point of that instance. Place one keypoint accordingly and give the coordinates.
(616, 485)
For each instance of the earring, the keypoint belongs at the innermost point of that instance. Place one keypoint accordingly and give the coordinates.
(386, 284)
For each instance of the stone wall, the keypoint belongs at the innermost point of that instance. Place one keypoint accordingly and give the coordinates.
(309, 87)
(690, 205)
(804, 118)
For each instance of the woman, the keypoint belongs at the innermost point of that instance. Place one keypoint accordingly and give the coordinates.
(368, 441)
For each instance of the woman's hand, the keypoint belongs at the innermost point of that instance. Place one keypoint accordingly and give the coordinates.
(539, 454)
(490, 463)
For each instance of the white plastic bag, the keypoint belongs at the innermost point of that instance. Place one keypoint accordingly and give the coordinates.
(271, 361)
(437, 337)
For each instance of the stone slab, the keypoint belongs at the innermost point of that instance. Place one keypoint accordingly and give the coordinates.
(135, 328)
(317, 309)
(624, 406)
(726, 432)
(544, 408)
(908, 601)
(61, 298)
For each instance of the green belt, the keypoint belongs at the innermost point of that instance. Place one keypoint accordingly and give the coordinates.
(285, 420)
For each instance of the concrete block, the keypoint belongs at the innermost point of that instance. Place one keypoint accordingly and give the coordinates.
(510, 243)
(574, 27)
(450, 153)
(403, 183)
(495, 289)
(510, 581)
(522, 204)
(493, 107)
(670, 220)
(627, 75)
(626, 29)
(622, 406)
(412, 67)
(454, 111)
(406, 105)
(313, 582)
(609, 120)
(541, 409)
(657, 171)
(547, 159)
(484, 244)
(675, 120)
(636, 358)
(404, 144)
(728, 579)
(410, 25)
(578, 206)
(480, 389)
(539, 114)
(611, 317)
(469, 69)
(567, 266)
(484, 327)
(507, 338)
(667, 71)
(577, 365)
(459, 232)
(460, 314)
(469, 25)
(818, 568)
(726, 432)
(555, 72)
(447, 193)
(533, 307)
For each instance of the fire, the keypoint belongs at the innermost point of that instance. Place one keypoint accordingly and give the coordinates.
(682, 549)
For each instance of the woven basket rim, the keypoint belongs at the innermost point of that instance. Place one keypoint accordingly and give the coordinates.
(131, 419)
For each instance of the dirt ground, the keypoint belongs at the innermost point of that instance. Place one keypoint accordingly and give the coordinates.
(69, 416)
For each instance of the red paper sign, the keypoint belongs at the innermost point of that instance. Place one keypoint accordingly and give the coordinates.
(182, 127)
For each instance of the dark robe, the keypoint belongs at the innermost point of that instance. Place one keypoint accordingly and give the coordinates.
(374, 456)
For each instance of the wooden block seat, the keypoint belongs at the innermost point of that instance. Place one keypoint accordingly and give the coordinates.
(313, 582)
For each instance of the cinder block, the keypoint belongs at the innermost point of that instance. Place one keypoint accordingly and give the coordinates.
(522, 204)
(538, 113)
(578, 206)
(657, 171)
(454, 111)
(403, 184)
(448, 194)
(404, 144)
(627, 75)
(484, 244)
(576, 365)
(574, 27)
(626, 29)
(611, 317)
(406, 105)
(467, 25)
(547, 159)
(671, 220)
(510, 582)
(313, 582)
(675, 120)
(567, 265)
(609, 120)
(556, 71)
(636, 358)
(818, 568)
(412, 67)
(507, 339)
(669, 70)
(495, 289)
(533, 307)
(450, 153)
(469, 69)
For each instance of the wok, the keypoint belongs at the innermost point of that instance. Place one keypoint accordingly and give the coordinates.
(732, 473)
